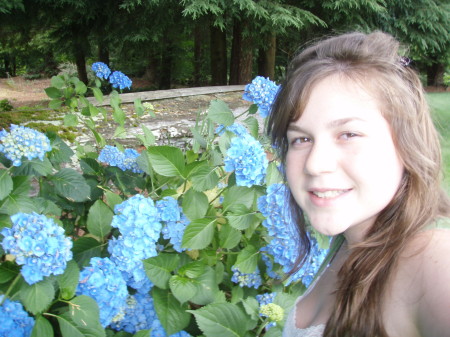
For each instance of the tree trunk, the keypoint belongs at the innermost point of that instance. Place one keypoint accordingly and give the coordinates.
(165, 80)
(80, 61)
(199, 53)
(435, 74)
(218, 56)
(103, 52)
(266, 58)
(151, 70)
(241, 55)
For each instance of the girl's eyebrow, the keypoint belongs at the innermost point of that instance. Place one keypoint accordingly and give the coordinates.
(330, 125)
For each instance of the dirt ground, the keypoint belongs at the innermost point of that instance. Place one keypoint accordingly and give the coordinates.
(22, 92)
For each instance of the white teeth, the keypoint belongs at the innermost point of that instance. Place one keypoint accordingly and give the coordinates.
(328, 194)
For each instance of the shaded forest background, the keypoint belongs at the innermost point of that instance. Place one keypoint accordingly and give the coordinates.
(172, 43)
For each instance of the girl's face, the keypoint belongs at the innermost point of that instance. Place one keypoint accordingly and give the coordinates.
(342, 166)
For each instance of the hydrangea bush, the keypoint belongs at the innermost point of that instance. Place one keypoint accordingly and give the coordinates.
(111, 241)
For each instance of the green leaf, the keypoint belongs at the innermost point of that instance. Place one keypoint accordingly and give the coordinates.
(119, 116)
(238, 195)
(172, 315)
(192, 269)
(71, 185)
(195, 204)
(112, 199)
(198, 137)
(204, 177)
(53, 92)
(251, 307)
(141, 333)
(120, 132)
(221, 319)
(207, 288)
(57, 82)
(198, 234)
(38, 296)
(167, 161)
(82, 319)
(220, 113)
(80, 88)
(6, 184)
(148, 139)
(182, 288)
(14, 203)
(34, 167)
(247, 259)
(55, 104)
(138, 107)
(273, 175)
(253, 109)
(99, 219)
(84, 249)
(240, 217)
(229, 237)
(42, 328)
(8, 271)
(98, 94)
(159, 268)
(68, 281)
(253, 126)
(61, 152)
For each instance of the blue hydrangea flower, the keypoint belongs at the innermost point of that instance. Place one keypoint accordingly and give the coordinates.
(23, 142)
(14, 320)
(101, 70)
(261, 92)
(139, 314)
(126, 160)
(282, 246)
(102, 281)
(251, 280)
(265, 298)
(158, 331)
(175, 221)
(140, 228)
(236, 128)
(120, 80)
(38, 244)
(246, 157)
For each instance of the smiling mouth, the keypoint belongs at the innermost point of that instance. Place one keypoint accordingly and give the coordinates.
(329, 194)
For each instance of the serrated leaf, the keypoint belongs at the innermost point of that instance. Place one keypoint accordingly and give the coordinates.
(38, 296)
(182, 288)
(207, 288)
(251, 307)
(247, 259)
(238, 195)
(42, 328)
(120, 132)
(168, 161)
(198, 234)
(6, 184)
(112, 199)
(229, 237)
(221, 319)
(195, 204)
(55, 104)
(148, 138)
(240, 217)
(273, 175)
(71, 185)
(171, 313)
(8, 271)
(98, 94)
(159, 268)
(252, 125)
(53, 92)
(68, 281)
(57, 82)
(84, 249)
(204, 177)
(99, 219)
(82, 319)
(220, 113)
(33, 167)
(192, 269)
(80, 88)
(198, 137)
(13, 204)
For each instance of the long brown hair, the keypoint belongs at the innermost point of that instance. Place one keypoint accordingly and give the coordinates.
(372, 61)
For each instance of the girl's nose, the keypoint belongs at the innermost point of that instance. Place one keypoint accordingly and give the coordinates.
(320, 159)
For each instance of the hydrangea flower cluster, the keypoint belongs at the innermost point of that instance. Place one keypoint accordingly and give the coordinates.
(158, 331)
(126, 160)
(236, 128)
(246, 279)
(38, 244)
(120, 80)
(272, 311)
(139, 314)
(23, 142)
(101, 70)
(104, 283)
(282, 246)
(265, 298)
(15, 321)
(138, 222)
(246, 157)
(176, 221)
(262, 92)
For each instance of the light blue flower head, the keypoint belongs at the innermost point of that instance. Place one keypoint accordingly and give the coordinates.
(120, 80)
(261, 92)
(126, 160)
(251, 280)
(23, 142)
(236, 128)
(102, 281)
(38, 244)
(14, 320)
(101, 70)
(246, 157)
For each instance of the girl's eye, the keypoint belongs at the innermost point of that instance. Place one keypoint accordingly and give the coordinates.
(300, 140)
(348, 135)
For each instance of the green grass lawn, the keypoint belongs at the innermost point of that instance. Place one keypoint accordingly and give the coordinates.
(440, 108)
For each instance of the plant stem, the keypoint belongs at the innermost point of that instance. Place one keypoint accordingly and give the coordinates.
(10, 289)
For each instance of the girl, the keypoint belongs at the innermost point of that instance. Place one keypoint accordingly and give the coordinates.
(362, 159)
